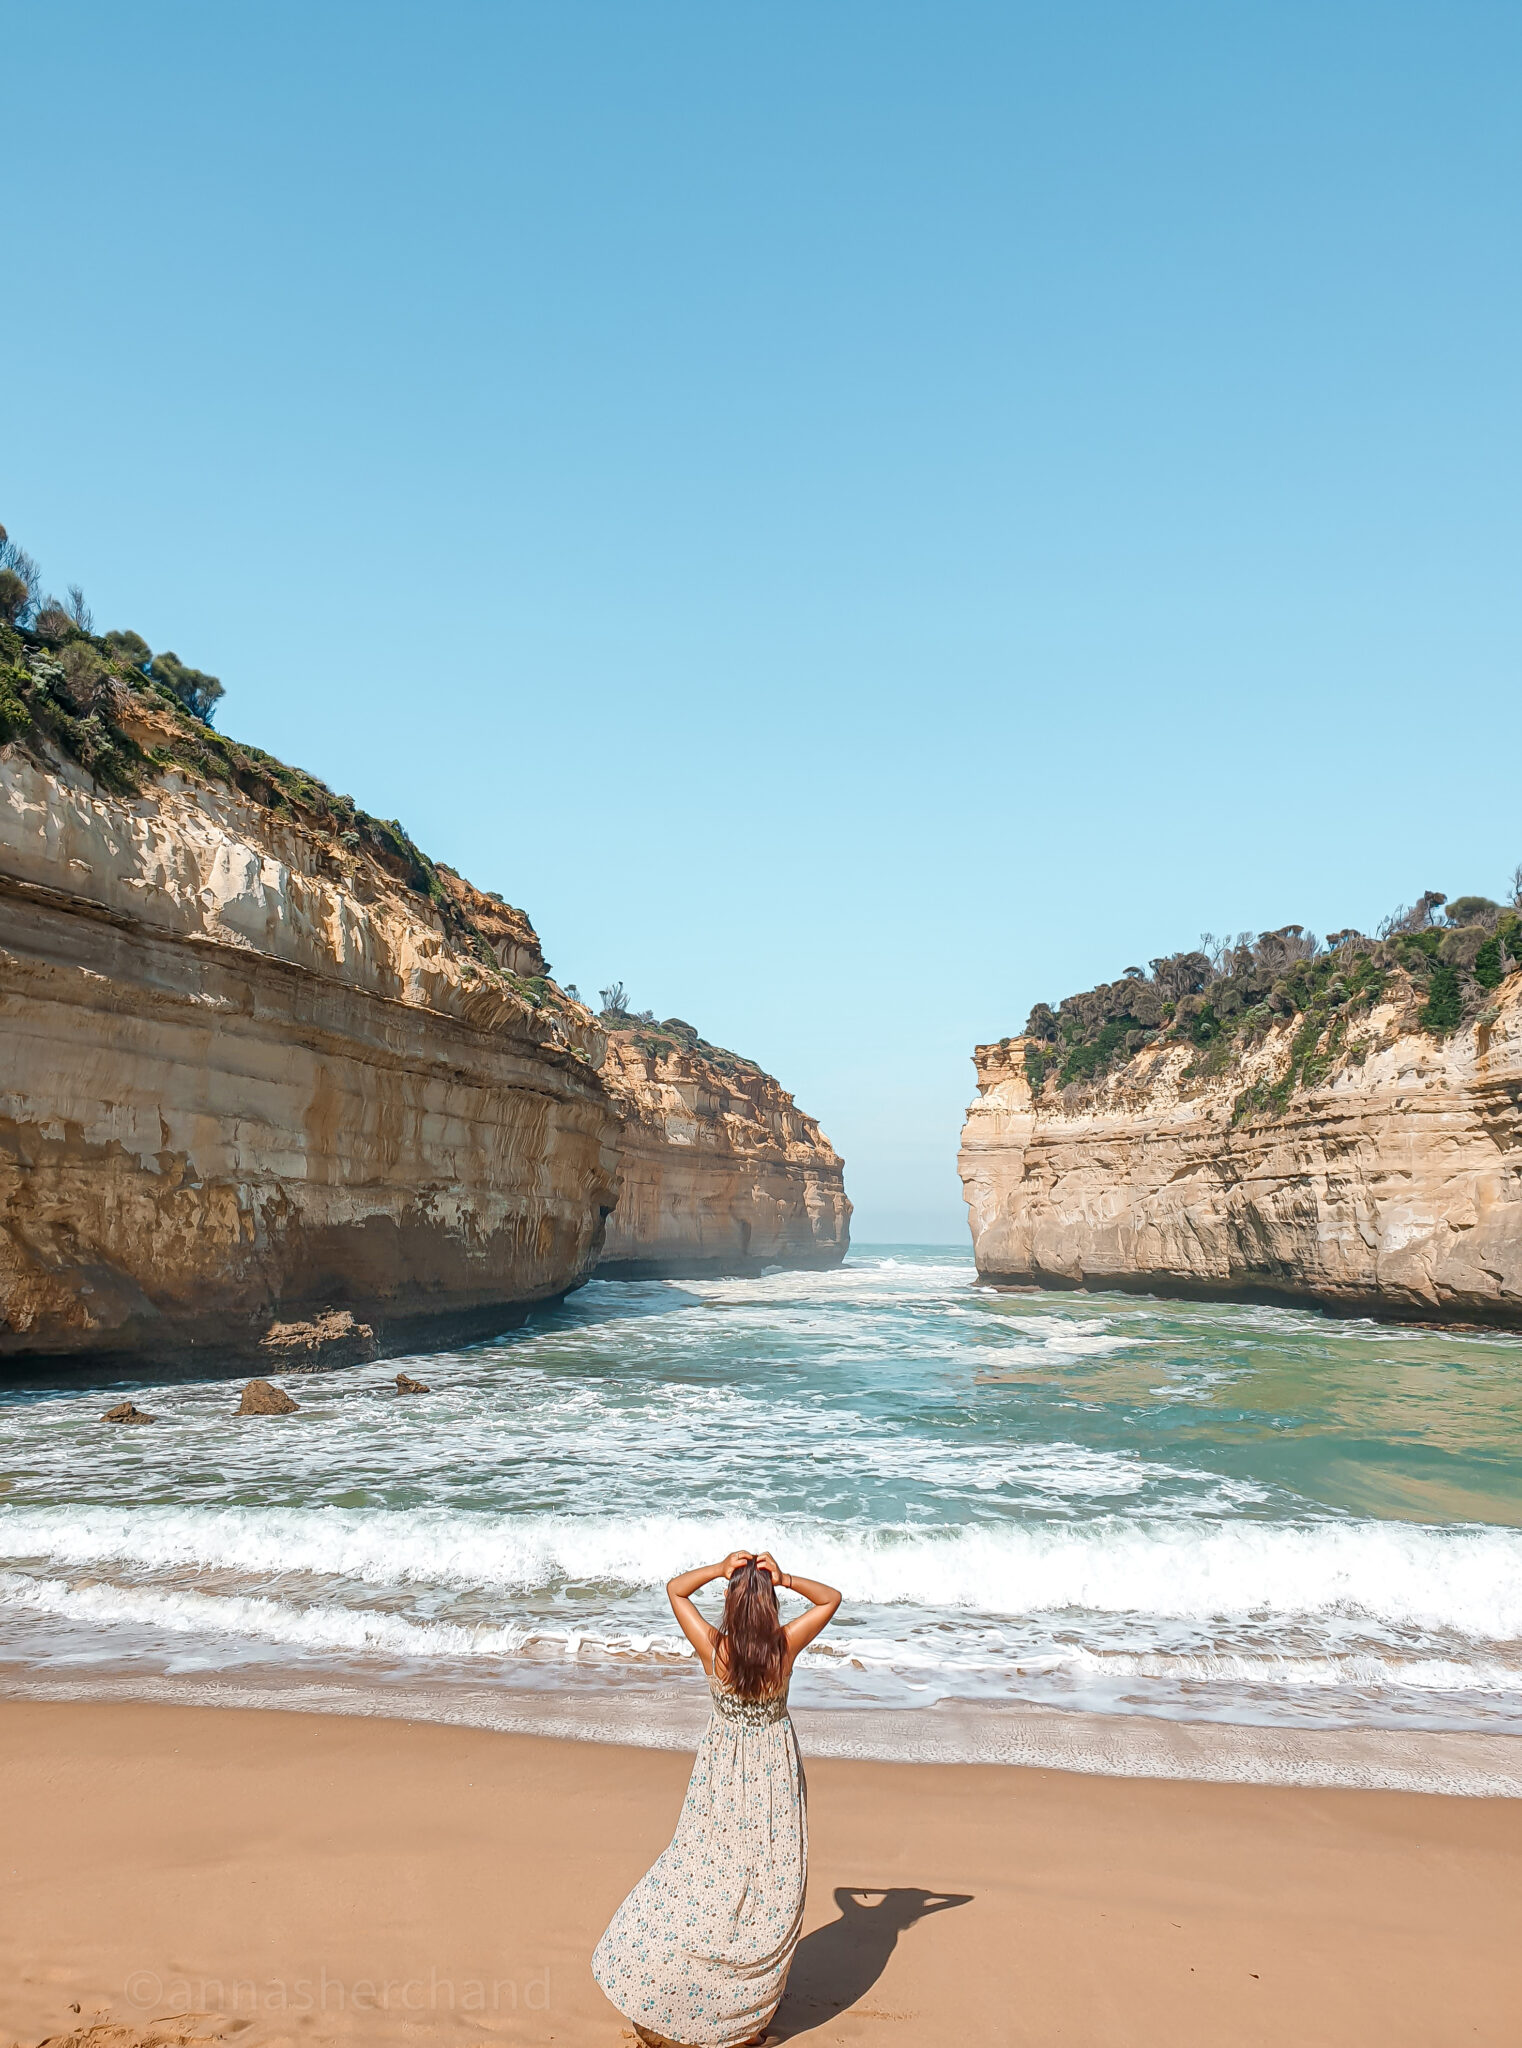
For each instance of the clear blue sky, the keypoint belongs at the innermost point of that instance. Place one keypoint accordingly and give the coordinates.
(857, 516)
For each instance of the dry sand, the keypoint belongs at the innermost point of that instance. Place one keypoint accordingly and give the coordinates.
(310, 1878)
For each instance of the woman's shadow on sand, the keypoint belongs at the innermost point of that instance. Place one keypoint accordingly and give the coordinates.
(839, 1963)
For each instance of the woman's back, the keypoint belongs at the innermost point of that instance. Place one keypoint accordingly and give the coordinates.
(699, 1951)
(762, 1712)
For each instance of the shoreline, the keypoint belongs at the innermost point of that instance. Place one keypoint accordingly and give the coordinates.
(285, 1877)
(1433, 1763)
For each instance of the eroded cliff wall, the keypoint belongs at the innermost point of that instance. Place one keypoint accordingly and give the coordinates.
(1389, 1183)
(720, 1171)
(250, 1072)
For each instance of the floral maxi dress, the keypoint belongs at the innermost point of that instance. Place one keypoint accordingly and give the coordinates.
(699, 1950)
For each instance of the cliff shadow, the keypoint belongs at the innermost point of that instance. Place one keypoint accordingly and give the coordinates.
(122, 1373)
(604, 1300)
(840, 1962)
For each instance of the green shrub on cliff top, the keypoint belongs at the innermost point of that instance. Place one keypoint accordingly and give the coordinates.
(15, 713)
(1473, 910)
(42, 700)
(69, 691)
(1091, 1056)
(1444, 1007)
(131, 648)
(1225, 999)
(1500, 953)
(1488, 971)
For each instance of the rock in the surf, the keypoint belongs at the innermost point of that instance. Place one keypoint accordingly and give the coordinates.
(127, 1411)
(405, 1384)
(327, 1341)
(260, 1398)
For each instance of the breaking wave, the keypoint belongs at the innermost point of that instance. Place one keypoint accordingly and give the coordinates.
(1467, 1579)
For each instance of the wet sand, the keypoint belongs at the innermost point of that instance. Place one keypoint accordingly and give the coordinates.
(311, 1878)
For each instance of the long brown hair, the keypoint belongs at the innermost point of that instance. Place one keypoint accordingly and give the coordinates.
(751, 1642)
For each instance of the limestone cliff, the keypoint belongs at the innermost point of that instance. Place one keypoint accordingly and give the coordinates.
(259, 1055)
(720, 1172)
(1347, 1133)
(273, 1084)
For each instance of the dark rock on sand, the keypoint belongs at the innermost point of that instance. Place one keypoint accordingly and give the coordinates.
(260, 1398)
(127, 1411)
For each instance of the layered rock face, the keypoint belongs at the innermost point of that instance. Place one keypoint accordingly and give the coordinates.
(249, 1071)
(720, 1172)
(1389, 1184)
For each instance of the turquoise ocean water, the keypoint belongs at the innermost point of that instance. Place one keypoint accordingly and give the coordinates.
(1188, 1512)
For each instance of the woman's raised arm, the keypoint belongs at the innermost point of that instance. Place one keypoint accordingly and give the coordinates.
(679, 1591)
(814, 1619)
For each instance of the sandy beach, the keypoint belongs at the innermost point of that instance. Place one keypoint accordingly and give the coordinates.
(310, 1878)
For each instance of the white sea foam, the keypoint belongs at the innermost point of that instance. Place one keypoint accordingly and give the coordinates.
(326, 1627)
(586, 1443)
(348, 1631)
(1161, 1509)
(1362, 1669)
(1466, 1579)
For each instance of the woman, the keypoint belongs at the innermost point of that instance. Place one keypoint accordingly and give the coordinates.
(698, 1953)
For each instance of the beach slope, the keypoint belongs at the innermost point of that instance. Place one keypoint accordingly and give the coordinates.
(305, 1878)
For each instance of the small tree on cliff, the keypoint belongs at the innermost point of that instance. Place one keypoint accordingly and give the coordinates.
(131, 647)
(1181, 974)
(16, 563)
(53, 622)
(1417, 917)
(196, 690)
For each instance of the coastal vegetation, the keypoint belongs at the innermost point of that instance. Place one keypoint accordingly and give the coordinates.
(215, 946)
(128, 715)
(659, 1039)
(1439, 960)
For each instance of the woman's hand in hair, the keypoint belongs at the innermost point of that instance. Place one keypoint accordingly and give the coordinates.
(700, 1633)
(770, 1566)
(823, 1601)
